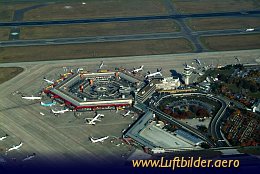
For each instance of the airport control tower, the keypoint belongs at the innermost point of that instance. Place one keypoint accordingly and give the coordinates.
(187, 73)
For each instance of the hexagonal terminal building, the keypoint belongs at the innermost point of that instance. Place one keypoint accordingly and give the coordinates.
(92, 91)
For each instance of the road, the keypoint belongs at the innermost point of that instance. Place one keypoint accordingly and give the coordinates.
(214, 127)
(215, 124)
(134, 18)
(117, 38)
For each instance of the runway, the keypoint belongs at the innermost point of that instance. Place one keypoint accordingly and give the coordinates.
(119, 38)
(134, 18)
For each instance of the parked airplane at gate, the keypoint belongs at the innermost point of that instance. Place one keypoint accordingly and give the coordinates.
(48, 81)
(138, 69)
(96, 140)
(154, 74)
(188, 66)
(31, 98)
(92, 121)
(14, 147)
(4, 137)
(59, 111)
(198, 61)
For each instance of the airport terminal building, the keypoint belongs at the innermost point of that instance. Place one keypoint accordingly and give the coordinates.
(92, 91)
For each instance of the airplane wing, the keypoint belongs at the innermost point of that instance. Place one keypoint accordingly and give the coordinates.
(88, 118)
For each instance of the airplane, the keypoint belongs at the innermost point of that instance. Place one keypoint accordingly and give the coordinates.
(59, 111)
(198, 61)
(237, 59)
(48, 104)
(14, 33)
(29, 157)
(127, 113)
(4, 137)
(250, 29)
(92, 121)
(15, 147)
(48, 81)
(188, 66)
(138, 69)
(154, 74)
(101, 64)
(79, 69)
(42, 113)
(32, 98)
(96, 140)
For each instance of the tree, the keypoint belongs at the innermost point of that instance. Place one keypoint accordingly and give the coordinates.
(202, 113)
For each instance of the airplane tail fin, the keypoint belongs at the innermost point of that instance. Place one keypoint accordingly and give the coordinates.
(91, 139)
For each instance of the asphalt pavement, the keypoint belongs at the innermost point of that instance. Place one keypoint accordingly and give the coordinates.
(117, 38)
(127, 19)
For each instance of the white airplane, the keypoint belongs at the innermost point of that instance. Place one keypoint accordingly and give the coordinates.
(29, 157)
(198, 61)
(237, 59)
(4, 137)
(59, 111)
(127, 113)
(14, 33)
(96, 140)
(92, 121)
(42, 113)
(138, 69)
(15, 147)
(101, 64)
(188, 66)
(48, 81)
(154, 74)
(250, 29)
(32, 98)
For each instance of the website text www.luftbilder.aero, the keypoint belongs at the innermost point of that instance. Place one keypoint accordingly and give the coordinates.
(181, 162)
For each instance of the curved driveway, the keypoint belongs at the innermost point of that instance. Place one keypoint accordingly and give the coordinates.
(214, 127)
